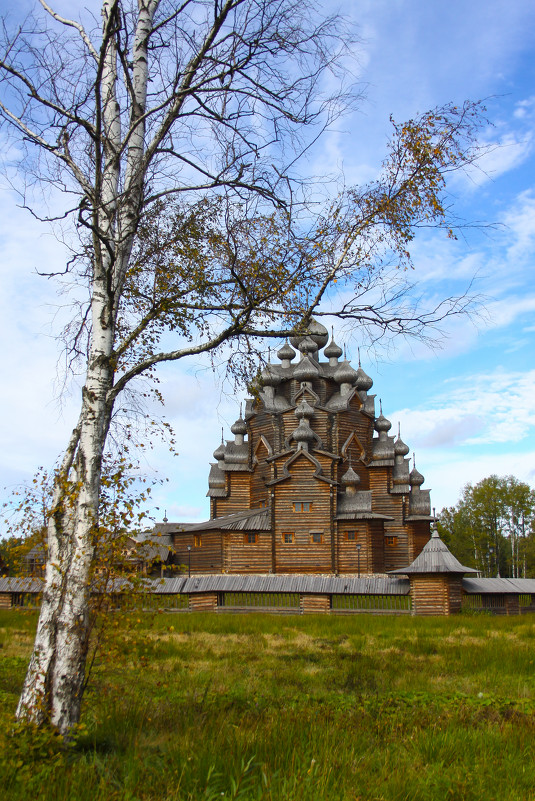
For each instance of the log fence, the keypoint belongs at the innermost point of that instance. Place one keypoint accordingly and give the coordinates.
(289, 594)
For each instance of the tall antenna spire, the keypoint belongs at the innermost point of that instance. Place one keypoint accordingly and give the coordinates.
(358, 351)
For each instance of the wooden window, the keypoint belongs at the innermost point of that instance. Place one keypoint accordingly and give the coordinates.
(316, 537)
(288, 537)
(302, 506)
(262, 504)
(351, 536)
(197, 540)
(250, 538)
(391, 541)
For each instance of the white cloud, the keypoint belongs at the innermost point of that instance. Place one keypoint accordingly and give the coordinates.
(520, 222)
(447, 474)
(488, 408)
(499, 157)
(467, 432)
(524, 108)
(505, 311)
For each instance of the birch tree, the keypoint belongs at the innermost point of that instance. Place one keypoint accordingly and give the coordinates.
(491, 527)
(172, 130)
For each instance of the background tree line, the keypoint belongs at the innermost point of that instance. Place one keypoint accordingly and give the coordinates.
(492, 527)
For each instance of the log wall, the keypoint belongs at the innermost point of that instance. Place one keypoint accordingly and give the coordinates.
(376, 545)
(395, 556)
(430, 595)
(512, 605)
(302, 555)
(261, 474)
(242, 556)
(455, 594)
(348, 560)
(238, 485)
(203, 602)
(204, 558)
(418, 536)
(315, 604)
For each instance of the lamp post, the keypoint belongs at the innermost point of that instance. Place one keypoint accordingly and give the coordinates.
(491, 551)
(358, 559)
(189, 561)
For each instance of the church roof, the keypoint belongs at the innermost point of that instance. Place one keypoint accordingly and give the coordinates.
(151, 545)
(248, 520)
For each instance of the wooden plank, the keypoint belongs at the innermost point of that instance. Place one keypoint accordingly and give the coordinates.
(315, 604)
(202, 602)
(431, 594)
(245, 557)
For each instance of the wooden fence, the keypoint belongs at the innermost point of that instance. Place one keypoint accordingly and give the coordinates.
(299, 594)
(372, 604)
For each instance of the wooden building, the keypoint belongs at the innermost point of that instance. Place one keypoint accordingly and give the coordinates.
(312, 481)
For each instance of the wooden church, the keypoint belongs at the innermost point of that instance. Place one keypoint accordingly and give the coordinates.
(312, 481)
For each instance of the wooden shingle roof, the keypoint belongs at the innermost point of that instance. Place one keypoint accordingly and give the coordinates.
(434, 558)
(248, 520)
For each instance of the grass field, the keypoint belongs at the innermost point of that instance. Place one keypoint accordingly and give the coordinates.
(283, 708)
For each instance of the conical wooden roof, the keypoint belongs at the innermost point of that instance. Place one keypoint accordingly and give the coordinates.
(434, 558)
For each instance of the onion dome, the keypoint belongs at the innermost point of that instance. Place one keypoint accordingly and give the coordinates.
(350, 478)
(382, 424)
(307, 345)
(345, 373)
(239, 427)
(303, 432)
(400, 449)
(305, 370)
(304, 410)
(415, 478)
(363, 381)
(333, 351)
(269, 378)
(286, 353)
(317, 331)
(219, 453)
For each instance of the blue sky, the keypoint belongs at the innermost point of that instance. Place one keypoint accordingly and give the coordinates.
(467, 409)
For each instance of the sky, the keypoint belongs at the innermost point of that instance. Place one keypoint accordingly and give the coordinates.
(467, 409)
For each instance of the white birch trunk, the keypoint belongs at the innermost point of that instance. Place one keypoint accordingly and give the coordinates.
(54, 681)
(53, 686)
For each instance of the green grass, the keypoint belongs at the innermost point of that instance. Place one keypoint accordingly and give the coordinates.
(287, 708)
